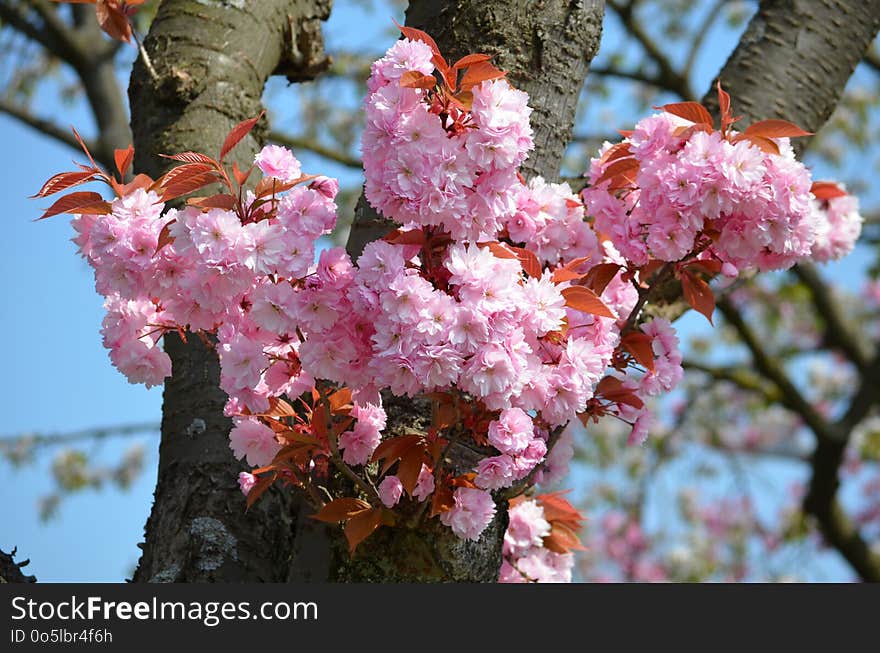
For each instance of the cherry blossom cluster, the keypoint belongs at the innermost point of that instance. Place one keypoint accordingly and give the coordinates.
(689, 189)
(526, 559)
(218, 275)
(838, 224)
(421, 176)
(502, 299)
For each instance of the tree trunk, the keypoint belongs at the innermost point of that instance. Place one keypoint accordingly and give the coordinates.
(795, 59)
(212, 60)
(546, 46)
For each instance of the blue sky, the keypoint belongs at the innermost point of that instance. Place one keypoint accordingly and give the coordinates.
(57, 376)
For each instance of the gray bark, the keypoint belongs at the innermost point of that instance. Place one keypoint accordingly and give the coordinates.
(795, 59)
(212, 60)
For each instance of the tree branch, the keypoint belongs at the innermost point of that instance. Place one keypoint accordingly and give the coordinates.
(47, 127)
(865, 397)
(297, 142)
(700, 36)
(739, 377)
(838, 334)
(634, 75)
(831, 440)
(668, 77)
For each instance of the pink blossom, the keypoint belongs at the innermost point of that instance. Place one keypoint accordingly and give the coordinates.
(252, 439)
(246, 482)
(471, 514)
(512, 432)
(425, 485)
(390, 491)
(279, 162)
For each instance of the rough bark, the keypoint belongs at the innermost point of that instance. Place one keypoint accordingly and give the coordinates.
(795, 59)
(546, 47)
(212, 59)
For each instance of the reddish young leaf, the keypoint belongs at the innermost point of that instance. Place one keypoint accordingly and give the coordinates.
(724, 107)
(620, 172)
(600, 276)
(568, 272)
(341, 509)
(763, 144)
(442, 500)
(79, 202)
(113, 20)
(165, 237)
(181, 172)
(410, 237)
(479, 73)
(557, 508)
(279, 408)
(650, 268)
(612, 389)
(692, 111)
(617, 151)
(698, 294)
(415, 79)
(140, 181)
(188, 184)
(410, 466)
(263, 483)
(191, 157)
(563, 274)
(707, 266)
(85, 149)
(414, 34)
(402, 446)
(562, 539)
(238, 132)
(686, 132)
(775, 129)
(299, 439)
(465, 99)
(361, 526)
(530, 263)
(585, 300)
(443, 414)
(241, 177)
(639, 345)
(464, 480)
(823, 190)
(219, 201)
(64, 180)
(319, 423)
(630, 399)
(470, 60)
(123, 159)
(499, 250)
(340, 401)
